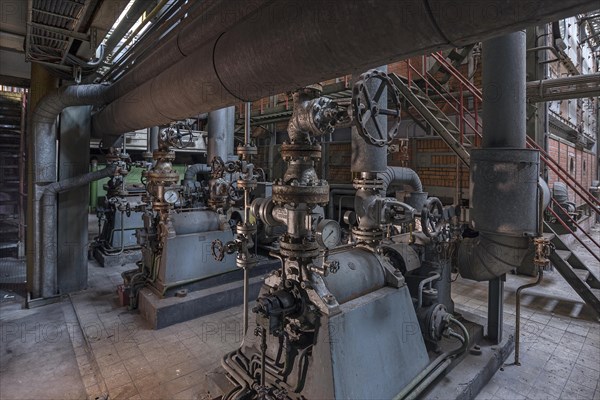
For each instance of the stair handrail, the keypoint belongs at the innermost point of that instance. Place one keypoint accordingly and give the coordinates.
(581, 191)
(458, 75)
(463, 84)
(411, 68)
(564, 175)
(460, 109)
(564, 224)
(574, 221)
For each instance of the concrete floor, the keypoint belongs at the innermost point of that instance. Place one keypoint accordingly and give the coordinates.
(88, 346)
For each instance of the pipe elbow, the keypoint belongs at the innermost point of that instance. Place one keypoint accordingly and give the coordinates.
(486, 257)
(396, 176)
(195, 169)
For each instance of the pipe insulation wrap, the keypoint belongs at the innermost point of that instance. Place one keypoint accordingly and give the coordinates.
(205, 22)
(398, 176)
(195, 169)
(300, 43)
(43, 127)
(48, 216)
(486, 257)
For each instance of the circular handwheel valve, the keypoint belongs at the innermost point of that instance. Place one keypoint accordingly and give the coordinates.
(366, 95)
(432, 217)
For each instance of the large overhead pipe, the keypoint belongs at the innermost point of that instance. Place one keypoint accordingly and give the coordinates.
(504, 174)
(291, 43)
(205, 21)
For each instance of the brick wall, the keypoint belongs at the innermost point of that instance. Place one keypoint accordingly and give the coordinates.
(436, 164)
(580, 164)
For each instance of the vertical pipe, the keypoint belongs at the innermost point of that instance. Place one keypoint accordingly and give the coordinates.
(248, 109)
(94, 187)
(154, 131)
(504, 74)
(220, 134)
(503, 63)
(247, 112)
(42, 82)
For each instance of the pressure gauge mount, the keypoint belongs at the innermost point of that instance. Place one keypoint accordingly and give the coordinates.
(171, 196)
(328, 233)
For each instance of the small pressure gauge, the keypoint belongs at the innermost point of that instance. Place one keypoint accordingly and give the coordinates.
(171, 196)
(328, 233)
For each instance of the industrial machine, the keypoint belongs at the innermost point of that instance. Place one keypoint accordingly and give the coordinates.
(181, 221)
(362, 319)
(119, 214)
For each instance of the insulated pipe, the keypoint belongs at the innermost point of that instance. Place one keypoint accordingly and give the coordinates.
(300, 43)
(204, 22)
(48, 228)
(43, 128)
(504, 83)
(154, 131)
(502, 167)
(190, 173)
(221, 124)
(131, 17)
(396, 176)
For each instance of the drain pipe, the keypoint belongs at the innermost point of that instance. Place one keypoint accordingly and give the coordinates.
(504, 174)
(44, 132)
(48, 218)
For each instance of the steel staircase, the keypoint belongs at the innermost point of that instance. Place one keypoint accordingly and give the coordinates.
(426, 99)
(11, 196)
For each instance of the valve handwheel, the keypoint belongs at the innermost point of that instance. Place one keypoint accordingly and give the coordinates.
(217, 249)
(366, 94)
(234, 193)
(432, 217)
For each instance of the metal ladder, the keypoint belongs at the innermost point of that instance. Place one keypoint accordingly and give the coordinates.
(460, 139)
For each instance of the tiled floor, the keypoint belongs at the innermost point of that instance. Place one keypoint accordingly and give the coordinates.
(117, 354)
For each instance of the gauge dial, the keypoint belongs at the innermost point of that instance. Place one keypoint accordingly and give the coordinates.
(328, 233)
(171, 196)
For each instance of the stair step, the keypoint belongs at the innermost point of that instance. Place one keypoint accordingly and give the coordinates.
(564, 254)
(549, 236)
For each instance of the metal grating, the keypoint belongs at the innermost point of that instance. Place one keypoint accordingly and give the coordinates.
(52, 27)
(591, 23)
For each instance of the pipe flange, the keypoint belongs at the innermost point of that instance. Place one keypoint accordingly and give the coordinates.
(246, 229)
(290, 151)
(163, 155)
(286, 194)
(368, 236)
(368, 184)
(306, 248)
(246, 184)
(247, 150)
(246, 261)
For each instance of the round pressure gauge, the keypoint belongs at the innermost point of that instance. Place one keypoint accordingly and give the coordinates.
(328, 233)
(171, 196)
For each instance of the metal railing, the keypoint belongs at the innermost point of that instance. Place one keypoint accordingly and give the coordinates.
(467, 89)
